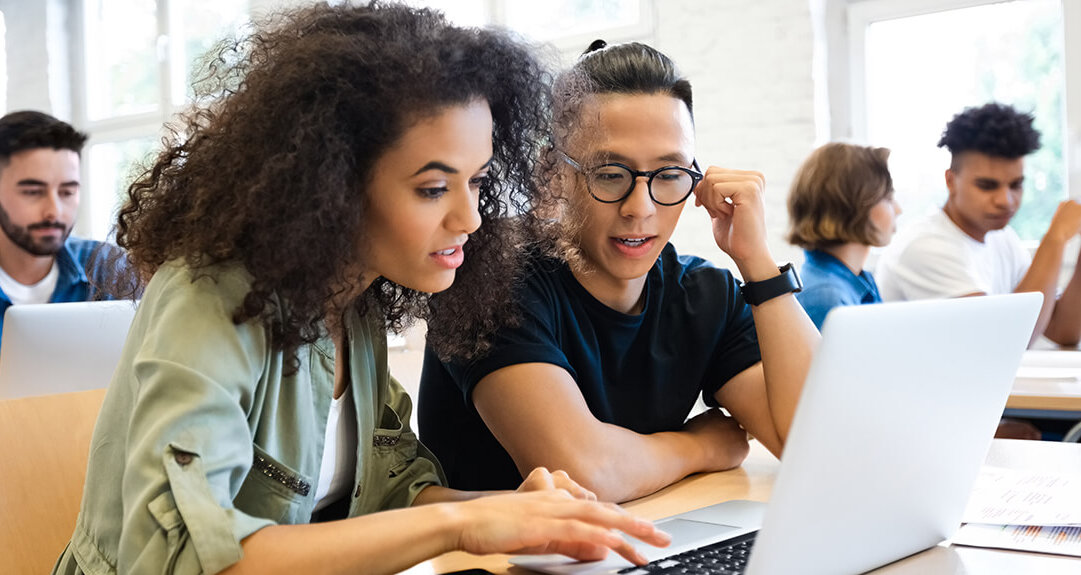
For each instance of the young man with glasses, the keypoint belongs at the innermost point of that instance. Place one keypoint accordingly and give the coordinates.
(620, 335)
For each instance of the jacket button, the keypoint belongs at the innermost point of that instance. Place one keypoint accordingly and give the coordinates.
(357, 493)
(183, 458)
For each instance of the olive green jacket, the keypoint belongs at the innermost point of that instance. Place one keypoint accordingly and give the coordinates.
(204, 437)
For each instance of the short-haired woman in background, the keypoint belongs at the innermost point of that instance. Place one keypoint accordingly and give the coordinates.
(840, 205)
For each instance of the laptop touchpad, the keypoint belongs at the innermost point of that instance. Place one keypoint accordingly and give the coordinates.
(687, 533)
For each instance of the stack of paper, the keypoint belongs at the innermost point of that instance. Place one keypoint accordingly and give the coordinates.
(1043, 366)
(1024, 510)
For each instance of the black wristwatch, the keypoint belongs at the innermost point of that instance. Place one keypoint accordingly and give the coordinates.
(757, 292)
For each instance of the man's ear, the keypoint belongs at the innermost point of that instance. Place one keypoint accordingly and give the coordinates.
(951, 181)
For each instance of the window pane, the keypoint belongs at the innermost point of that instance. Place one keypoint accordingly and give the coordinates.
(922, 70)
(198, 27)
(121, 57)
(111, 169)
(563, 18)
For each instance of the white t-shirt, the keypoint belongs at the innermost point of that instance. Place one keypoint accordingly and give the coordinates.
(935, 258)
(40, 292)
(339, 452)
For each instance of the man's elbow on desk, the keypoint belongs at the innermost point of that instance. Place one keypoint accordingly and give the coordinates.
(589, 468)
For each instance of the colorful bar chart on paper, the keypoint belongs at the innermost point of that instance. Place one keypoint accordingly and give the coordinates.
(1060, 539)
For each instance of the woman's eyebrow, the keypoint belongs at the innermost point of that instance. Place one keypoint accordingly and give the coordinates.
(436, 165)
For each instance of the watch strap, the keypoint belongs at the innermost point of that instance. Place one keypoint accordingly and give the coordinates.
(756, 293)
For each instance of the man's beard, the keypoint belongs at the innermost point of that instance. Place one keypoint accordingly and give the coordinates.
(21, 237)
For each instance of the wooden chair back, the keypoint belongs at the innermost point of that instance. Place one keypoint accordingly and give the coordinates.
(44, 446)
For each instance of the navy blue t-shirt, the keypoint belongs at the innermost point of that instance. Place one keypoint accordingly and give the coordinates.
(643, 372)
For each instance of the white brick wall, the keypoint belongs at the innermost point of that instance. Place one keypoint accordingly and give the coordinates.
(27, 55)
(750, 64)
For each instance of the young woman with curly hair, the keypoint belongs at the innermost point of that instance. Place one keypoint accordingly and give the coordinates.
(349, 160)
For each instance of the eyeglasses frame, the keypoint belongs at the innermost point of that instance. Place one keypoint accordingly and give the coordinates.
(695, 174)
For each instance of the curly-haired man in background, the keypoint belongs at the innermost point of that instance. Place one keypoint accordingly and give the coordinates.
(968, 248)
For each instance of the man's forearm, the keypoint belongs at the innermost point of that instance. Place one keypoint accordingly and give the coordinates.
(1042, 276)
(619, 465)
(787, 340)
(1064, 327)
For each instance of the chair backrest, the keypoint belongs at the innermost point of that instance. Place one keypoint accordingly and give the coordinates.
(44, 445)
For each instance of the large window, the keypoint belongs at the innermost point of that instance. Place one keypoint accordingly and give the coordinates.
(916, 64)
(140, 55)
(138, 67)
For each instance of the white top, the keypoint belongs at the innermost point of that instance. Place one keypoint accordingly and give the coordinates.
(934, 258)
(40, 292)
(339, 452)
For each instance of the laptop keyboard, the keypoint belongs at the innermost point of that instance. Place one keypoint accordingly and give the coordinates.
(728, 557)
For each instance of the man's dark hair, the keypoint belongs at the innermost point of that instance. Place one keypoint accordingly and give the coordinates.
(994, 129)
(27, 130)
(630, 68)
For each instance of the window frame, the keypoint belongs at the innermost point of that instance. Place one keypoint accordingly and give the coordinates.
(847, 24)
(117, 129)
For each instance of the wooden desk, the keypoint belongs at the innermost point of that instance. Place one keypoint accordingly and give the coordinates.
(1055, 392)
(754, 480)
(1047, 395)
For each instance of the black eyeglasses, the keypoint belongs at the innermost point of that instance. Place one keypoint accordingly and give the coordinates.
(612, 183)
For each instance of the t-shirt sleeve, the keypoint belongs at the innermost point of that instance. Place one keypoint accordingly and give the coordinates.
(931, 267)
(535, 338)
(737, 347)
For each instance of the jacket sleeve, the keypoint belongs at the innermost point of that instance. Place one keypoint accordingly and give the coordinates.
(192, 373)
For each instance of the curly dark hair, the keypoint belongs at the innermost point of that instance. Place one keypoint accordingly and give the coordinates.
(28, 129)
(994, 129)
(271, 171)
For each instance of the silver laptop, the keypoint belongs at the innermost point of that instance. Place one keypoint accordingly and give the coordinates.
(896, 417)
(61, 347)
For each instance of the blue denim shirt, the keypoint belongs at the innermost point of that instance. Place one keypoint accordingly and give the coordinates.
(828, 283)
(74, 284)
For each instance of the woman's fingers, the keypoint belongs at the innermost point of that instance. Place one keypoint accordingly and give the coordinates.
(541, 479)
(553, 521)
(561, 480)
(612, 516)
(587, 542)
(537, 480)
